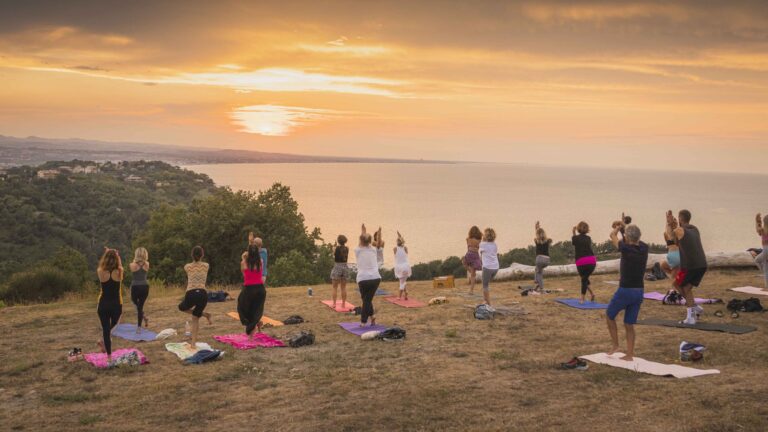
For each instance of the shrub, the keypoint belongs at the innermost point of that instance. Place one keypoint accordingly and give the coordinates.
(292, 269)
(73, 262)
(42, 284)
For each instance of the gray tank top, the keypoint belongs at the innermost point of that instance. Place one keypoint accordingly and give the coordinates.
(692, 254)
(139, 277)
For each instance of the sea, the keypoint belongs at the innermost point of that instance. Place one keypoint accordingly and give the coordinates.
(434, 205)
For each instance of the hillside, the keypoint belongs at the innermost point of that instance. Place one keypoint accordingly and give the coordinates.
(84, 206)
(452, 373)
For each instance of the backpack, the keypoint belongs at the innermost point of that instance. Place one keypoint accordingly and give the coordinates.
(672, 298)
(483, 312)
(293, 319)
(658, 272)
(749, 305)
(392, 333)
(302, 339)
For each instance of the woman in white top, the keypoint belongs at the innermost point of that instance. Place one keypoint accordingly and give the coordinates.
(402, 267)
(368, 277)
(489, 254)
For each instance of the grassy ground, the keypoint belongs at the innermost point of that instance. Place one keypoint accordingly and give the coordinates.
(452, 373)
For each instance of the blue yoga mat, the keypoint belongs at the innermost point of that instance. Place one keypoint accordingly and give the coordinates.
(128, 331)
(587, 304)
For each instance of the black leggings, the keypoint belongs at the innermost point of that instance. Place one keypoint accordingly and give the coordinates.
(250, 306)
(109, 315)
(367, 291)
(139, 294)
(585, 271)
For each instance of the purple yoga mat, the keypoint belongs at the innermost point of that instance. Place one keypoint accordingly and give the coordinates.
(653, 295)
(355, 329)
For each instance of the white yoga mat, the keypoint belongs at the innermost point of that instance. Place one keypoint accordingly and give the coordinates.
(751, 290)
(649, 367)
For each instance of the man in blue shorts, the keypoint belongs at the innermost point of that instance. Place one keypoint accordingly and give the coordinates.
(629, 295)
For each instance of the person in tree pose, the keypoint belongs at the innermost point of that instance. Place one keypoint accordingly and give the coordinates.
(761, 258)
(250, 303)
(139, 285)
(489, 253)
(110, 303)
(368, 277)
(629, 296)
(402, 267)
(471, 260)
(340, 272)
(693, 260)
(585, 258)
(542, 243)
(196, 297)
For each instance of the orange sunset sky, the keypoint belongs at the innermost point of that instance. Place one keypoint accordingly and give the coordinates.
(663, 85)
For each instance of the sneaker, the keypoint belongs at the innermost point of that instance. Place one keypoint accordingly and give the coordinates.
(699, 310)
(575, 364)
(690, 321)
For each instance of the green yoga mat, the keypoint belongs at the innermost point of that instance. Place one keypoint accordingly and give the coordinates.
(707, 326)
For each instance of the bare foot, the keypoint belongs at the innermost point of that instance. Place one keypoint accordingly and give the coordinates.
(592, 298)
(406, 297)
(208, 317)
(626, 358)
(146, 321)
(373, 321)
(259, 325)
(613, 350)
(101, 346)
(581, 301)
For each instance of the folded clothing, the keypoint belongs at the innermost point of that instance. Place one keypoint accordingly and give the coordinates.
(184, 350)
(125, 356)
(204, 356)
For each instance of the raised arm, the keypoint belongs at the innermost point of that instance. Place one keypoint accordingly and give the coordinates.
(120, 269)
(574, 230)
(615, 235)
(674, 231)
(759, 225)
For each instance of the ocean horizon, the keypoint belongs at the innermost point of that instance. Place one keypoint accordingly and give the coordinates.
(433, 205)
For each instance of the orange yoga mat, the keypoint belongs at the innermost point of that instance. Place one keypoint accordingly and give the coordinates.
(267, 321)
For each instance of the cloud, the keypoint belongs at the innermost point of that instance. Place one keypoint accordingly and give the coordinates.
(277, 120)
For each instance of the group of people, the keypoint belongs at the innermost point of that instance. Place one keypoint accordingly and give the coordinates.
(685, 263)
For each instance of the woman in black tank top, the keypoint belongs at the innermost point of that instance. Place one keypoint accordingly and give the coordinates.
(340, 272)
(110, 273)
(542, 243)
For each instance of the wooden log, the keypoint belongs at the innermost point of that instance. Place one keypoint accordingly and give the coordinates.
(714, 260)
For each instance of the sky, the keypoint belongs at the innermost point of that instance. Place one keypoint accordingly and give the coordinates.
(660, 85)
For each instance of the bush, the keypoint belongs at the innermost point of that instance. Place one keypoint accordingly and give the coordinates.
(73, 262)
(43, 284)
(292, 269)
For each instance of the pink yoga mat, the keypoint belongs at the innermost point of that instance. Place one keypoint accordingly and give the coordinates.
(653, 295)
(100, 359)
(410, 303)
(346, 307)
(242, 342)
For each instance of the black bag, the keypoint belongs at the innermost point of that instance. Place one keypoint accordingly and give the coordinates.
(735, 305)
(293, 319)
(302, 339)
(752, 305)
(658, 272)
(672, 298)
(358, 310)
(392, 333)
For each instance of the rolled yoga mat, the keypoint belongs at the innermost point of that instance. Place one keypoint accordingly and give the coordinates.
(586, 305)
(707, 326)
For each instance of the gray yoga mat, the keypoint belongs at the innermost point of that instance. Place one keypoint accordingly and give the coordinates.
(707, 326)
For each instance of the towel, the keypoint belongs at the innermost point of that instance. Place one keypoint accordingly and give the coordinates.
(100, 359)
(242, 342)
(183, 350)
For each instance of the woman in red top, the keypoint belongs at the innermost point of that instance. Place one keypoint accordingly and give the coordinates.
(250, 303)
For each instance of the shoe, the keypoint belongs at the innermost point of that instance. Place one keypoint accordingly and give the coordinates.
(735, 315)
(689, 321)
(719, 314)
(699, 310)
(575, 364)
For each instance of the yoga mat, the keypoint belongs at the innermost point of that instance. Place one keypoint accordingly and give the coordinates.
(346, 307)
(128, 331)
(265, 320)
(707, 326)
(355, 329)
(410, 303)
(644, 366)
(751, 290)
(183, 350)
(100, 359)
(614, 283)
(587, 304)
(653, 295)
(242, 342)
(382, 292)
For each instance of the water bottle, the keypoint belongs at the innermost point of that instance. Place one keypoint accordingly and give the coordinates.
(309, 291)
(187, 330)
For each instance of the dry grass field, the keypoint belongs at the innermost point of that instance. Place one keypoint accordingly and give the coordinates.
(451, 373)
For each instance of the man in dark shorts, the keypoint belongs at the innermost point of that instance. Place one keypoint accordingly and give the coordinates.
(693, 260)
(629, 295)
